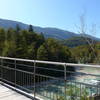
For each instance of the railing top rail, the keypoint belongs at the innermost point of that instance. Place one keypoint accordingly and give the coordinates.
(53, 63)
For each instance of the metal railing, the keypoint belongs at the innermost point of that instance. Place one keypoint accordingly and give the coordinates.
(49, 80)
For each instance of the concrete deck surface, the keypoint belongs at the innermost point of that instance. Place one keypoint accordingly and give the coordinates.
(8, 94)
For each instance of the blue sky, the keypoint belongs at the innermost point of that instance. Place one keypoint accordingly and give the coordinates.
(62, 14)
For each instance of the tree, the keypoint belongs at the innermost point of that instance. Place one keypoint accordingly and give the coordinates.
(84, 54)
(83, 31)
(53, 51)
(18, 28)
(65, 55)
(42, 36)
(9, 48)
(42, 53)
(30, 28)
(2, 40)
(32, 46)
(22, 45)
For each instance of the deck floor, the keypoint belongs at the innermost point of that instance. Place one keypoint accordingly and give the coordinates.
(8, 94)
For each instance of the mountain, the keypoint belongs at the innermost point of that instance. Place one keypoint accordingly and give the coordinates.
(48, 32)
(77, 41)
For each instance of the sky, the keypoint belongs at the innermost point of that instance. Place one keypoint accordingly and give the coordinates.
(63, 14)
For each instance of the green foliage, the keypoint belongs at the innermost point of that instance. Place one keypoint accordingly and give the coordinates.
(73, 93)
(85, 54)
(42, 53)
(2, 41)
(61, 98)
(53, 51)
(77, 41)
(18, 28)
(81, 51)
(28, 44)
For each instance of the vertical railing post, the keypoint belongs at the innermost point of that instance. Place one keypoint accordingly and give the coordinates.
(1, 69)
(34, 78)
(15, 72)
(65, 80)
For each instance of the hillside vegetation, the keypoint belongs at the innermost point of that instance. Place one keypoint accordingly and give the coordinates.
(77, 41)
(28, 44)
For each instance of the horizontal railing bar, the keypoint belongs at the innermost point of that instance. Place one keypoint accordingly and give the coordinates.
(46, 76)
(50, 62)
(36, 67)
(17, 85)
(79, 73)
(17, 59)
(52, 69)
(31, 73)
(17, 70)
(86, 84)
(54, 63)
(82, 65)
(72, 72)
(25, 65)
(5, 62)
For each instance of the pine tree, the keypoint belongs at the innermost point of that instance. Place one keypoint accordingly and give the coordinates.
(18, 28)
(42, 53)
(30, 28)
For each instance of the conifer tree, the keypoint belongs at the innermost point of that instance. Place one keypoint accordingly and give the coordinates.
(30, 28)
